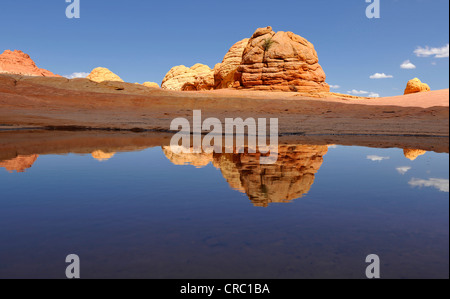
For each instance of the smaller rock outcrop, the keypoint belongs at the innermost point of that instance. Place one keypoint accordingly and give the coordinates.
(151, 84)
(197, 77)
(415, 85)
(102, 74)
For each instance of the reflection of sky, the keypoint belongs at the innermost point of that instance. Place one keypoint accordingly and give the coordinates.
(376, 158)
(403, 169)
(138, 215)
(440, 184)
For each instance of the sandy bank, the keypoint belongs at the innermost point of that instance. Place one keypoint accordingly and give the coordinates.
(58, 102)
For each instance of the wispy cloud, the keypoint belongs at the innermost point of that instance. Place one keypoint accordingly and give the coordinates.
(364, 93)
(334, 86)
(403, 169)
(407, 65)
(440, 184)
(77, 75)
(357, 92)
(376, 158)
(442, 52)
(381, 76)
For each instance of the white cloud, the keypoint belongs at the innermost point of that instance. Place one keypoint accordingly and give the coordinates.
(334, 86)
(434, 63)
(364, 93)
(77, 75)
(403, 169)
(332, 146)
(376, 158)
(357, 92)
(381, 76)
(407, 65)
(440, 184)
(436, 52)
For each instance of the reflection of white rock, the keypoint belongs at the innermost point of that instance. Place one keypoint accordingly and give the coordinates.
(377, 158)
(413, 154)
(102, 156)
(440, 184)
(403, 170)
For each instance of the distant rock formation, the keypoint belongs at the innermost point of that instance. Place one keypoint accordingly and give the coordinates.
(151, 84)
(415, 85)
(101, 74)
(197, 77)
(17, 62)
(224, 72)
(19, 164)
(413, 154)
(291, 177)
(280, 61)
(102, 156)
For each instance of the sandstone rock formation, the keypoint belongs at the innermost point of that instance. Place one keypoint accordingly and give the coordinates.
(280, 61)
(413, 154)
(17, 62)
(415, 85)
(291, 177)
(151, 84)
(102, 156)
(19, 164)
(101, 74)
(197, 77)
(224, 72)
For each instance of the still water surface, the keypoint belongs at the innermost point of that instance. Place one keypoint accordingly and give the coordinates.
(317, 213)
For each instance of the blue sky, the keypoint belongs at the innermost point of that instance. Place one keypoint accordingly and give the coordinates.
(140, 40)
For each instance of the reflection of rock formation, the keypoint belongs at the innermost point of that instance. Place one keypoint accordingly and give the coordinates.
(197, 160)
(19, 164)
(289, 178)
(102, 156)
(413, 154)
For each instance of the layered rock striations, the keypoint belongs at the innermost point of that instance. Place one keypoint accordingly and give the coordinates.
(224, 72)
